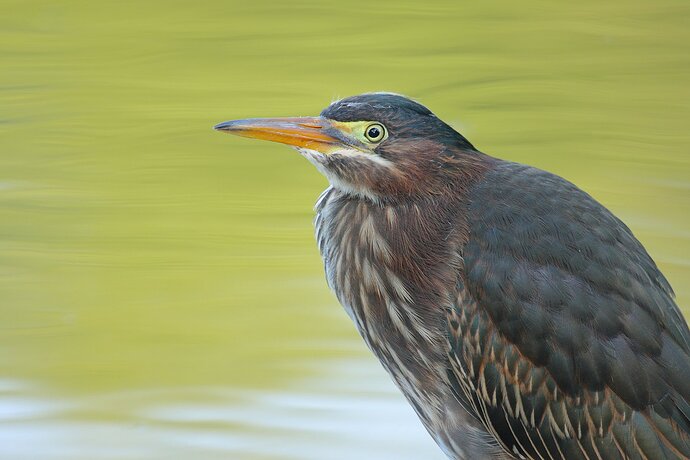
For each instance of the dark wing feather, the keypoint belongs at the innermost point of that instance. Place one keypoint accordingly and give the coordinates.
(565, 338)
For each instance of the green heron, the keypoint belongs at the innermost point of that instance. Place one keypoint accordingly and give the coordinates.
(519, 317)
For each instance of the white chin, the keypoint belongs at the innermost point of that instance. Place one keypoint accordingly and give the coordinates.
(318, 159)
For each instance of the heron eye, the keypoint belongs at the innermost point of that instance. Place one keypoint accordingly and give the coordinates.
(375, 132)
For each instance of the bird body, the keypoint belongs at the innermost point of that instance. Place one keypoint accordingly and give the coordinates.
(518, 316)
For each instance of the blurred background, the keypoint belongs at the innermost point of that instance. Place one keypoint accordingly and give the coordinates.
(162, 296)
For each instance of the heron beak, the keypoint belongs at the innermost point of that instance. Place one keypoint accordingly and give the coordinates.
(313, 133)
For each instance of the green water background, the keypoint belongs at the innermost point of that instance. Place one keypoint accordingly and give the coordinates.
(161, 292)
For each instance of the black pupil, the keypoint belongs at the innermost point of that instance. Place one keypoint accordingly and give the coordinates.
(374, 132)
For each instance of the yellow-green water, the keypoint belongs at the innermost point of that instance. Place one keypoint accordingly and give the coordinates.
(161, 293)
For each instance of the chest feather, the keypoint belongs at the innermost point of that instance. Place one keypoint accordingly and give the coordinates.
(375, 266)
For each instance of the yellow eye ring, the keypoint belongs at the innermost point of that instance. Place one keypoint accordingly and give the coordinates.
(375, 132)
